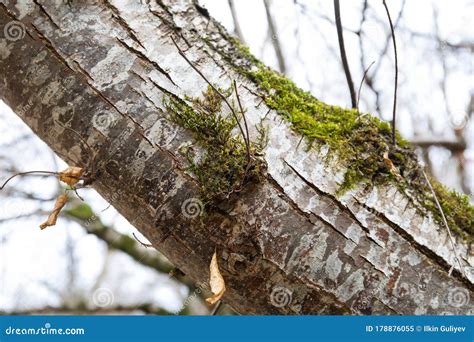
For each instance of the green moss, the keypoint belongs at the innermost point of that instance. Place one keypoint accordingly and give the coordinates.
(456, 207)
(359, 143)
(225, 166)
(360, 140)
(357, 140)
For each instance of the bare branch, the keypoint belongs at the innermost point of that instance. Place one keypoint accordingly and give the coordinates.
(362, 83)
(453, 245)
(40, 173)
(394, 113)
(340, 36)
(236, 117)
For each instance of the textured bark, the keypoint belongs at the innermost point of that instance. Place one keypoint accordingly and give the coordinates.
(287, 245)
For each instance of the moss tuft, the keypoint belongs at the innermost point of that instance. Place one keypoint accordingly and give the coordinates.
(225, 166)
(358, 140)
(456, 207)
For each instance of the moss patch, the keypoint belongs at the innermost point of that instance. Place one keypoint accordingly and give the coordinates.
(358, 141)
(457, 209)
(225, 166)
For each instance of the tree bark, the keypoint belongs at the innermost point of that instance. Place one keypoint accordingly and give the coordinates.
(287, 245)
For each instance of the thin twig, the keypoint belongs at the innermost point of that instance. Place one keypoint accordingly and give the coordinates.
(236, 117)
(216, 308)
(383, 52)
(445, 221)
(106, 208)
(77, 194)
(247, 144)
(146, 245)
(394, 140)
(342, 50)
(28, 173)
(362, 83)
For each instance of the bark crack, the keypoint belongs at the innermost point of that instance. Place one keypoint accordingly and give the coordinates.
(142, 57)
(333, 199)
(428, 253)
(123, 23)
(46, 14)
(308, 216)
(50, 47)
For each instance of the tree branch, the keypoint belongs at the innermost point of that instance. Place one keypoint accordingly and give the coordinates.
(342, 50)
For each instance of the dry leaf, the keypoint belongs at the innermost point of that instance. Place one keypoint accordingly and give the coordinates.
(53, 217)
(71, 175)
(389, 163)
(216, 281)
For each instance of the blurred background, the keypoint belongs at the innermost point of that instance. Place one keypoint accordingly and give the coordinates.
(94, 261)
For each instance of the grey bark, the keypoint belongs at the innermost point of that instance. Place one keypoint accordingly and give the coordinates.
(287, 245)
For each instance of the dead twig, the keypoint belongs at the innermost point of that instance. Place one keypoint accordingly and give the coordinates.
(394, 113)
(216, 309)
(51, 173)
(445, 221)
(242, 112)
(342, 50)
(146, 245)
(234, 114)
(362, 83)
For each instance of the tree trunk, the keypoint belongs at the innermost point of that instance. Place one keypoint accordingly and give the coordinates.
(286, 244)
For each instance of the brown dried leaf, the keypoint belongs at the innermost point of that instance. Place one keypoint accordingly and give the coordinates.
(389, 163)
(216, 281)
(71, 175)
(53, 217)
